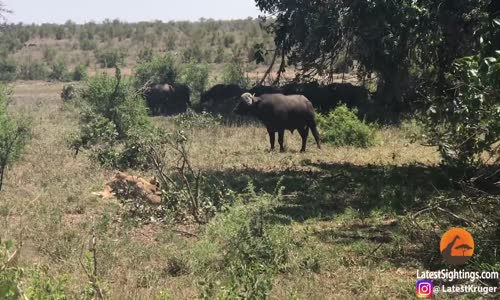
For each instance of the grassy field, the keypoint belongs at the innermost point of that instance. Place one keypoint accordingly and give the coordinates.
(343, 216)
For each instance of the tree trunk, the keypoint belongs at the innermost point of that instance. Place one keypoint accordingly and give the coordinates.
(390, 92)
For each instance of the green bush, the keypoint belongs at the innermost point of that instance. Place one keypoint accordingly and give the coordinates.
(59, 72)
(145, 55)
(157, 70)
(14, 134)
(234, 73)
(113, 114)
(342, 127)
(88, 44)
(219, 55)
(79, 73)
(10, 276)
(196, 77)
(27, 283)
(465, 124)
(241, 251)
(49, 55)
(110, 58)
(33, 71)
(193, 53)
(8, 70)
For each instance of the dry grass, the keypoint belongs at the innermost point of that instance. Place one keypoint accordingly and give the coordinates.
(47, 196)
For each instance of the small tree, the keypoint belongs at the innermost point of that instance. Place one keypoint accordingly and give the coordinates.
(113, 114)
(465, 122)
(59, 72)
(157, 70)
(8, 70)
(14, 134)
(234, 73)
(111, 58)
(196, 77)
(79, 73)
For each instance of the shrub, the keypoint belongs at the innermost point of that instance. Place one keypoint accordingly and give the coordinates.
(88, 44)
(466, 123)
(254, 251)
(113, 114)
(33, 71)
(145, 55)
(228, 40)
(158, 70)
(49, 55)
(342, 127)
(59, 72)
(14, 134)
(196, 77)
(10, 275)
(219, 55)
(79, 73)
(8, 70)
(32, 283)
(234, 73)
(110, 58)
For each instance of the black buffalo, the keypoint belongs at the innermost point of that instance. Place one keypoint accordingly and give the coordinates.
(281, 112)
(221, 92)
(265, 89)
(168, 99)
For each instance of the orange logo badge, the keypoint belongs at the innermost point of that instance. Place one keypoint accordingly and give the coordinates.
(457, 246)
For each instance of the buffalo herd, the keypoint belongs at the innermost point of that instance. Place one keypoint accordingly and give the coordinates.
(171, 99)
(323, 97)
(287, 107)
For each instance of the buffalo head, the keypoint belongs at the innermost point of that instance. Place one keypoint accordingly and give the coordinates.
(245, 105)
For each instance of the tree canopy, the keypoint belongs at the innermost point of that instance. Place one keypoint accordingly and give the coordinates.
(395, 40)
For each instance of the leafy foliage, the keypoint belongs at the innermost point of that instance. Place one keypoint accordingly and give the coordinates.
(26, 283)
(14, 134)
(342, 127)
(255, 251)
(111, 58)
(112, 113)
(234, 73)
(465, 122)
(196, 77)
(385, 37)
(157, 70)
(59, 72)
(79, 73)
(8, 70)
(34, 71)
(10, 275)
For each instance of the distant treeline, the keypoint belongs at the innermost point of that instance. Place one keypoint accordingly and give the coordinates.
(115, 42)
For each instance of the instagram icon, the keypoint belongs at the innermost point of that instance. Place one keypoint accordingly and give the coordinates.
(424, 289)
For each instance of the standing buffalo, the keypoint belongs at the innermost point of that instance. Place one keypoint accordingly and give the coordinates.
(167, 99)
(279, 112)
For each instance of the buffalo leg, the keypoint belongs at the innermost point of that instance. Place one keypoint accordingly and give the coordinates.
(281, 138)
(304, 132)
(272, 137)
